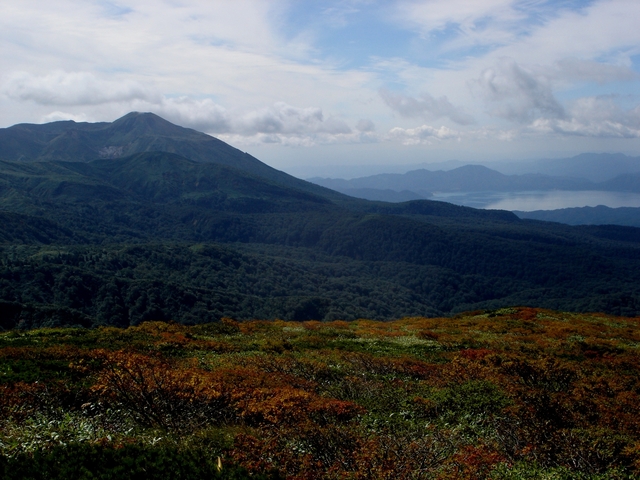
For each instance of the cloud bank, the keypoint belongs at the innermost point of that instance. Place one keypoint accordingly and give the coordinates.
(72, 88)
(468, 76)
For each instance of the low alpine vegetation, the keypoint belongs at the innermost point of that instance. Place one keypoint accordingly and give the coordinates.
(506, 394)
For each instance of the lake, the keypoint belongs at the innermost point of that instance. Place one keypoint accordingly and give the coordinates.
(540, 200)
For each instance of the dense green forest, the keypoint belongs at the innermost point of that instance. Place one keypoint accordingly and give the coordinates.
(118, 223)
(198, 283)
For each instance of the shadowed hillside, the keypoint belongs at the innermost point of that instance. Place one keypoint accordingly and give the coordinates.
(162, 235)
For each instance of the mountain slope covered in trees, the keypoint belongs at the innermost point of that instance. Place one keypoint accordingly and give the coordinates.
(198, 230)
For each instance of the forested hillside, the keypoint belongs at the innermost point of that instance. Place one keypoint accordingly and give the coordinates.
(600, 215)
(128, 234)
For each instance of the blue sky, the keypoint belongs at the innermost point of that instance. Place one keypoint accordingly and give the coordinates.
(310, 84)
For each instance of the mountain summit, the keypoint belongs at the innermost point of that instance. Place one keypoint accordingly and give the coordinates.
(134, 133)
(129, 135)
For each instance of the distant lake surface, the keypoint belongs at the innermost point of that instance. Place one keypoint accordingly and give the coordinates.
(540, 200)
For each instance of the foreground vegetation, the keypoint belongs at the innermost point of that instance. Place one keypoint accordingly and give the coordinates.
(512, 393)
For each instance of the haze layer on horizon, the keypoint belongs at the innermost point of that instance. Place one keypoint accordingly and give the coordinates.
(352, 82)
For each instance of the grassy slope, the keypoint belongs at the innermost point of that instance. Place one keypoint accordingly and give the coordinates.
(513, 393)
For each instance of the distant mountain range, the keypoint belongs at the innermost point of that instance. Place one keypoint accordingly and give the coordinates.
(595, 167)
(115, 223)
(471, 178)
(586, 172)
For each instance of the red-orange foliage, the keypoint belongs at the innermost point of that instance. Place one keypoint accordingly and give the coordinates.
(407, 399)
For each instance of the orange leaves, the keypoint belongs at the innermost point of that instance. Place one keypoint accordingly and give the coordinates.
(474, 462)
(21, 397)
(475, 353)
(414, 398)
(172, 395)
(289, 406)
(157, 393)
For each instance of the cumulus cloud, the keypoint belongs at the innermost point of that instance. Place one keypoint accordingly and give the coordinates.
(287, 125)
(267, 124)
(600, 117)
(72, 88)
(525, 96)
(301, 140)
(425, 106)
(204, 115)
(517, 94)
(422, 135)
(281, 118)
(277, 123)
(58, 115)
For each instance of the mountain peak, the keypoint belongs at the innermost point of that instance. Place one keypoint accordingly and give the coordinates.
(147, 123)
(135, 132)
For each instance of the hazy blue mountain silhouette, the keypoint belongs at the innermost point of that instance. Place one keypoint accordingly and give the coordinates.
(595, 167)
(469, 178)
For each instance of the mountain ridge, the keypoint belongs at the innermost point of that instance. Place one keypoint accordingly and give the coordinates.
(475, 178)
(157, 235)
(133, 133)
(595, 167)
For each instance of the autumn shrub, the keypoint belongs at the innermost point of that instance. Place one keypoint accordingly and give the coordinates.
(516, 393)
(156, 393)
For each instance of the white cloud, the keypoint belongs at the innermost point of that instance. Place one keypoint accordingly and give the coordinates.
(530, 31)
(58, 116)
(301, 140)
(426, 106)
(438, 15)
(517, 94)
(604, 31)
(286, 119)
(279, 123)
(82, 89)
(422, 135)
(364, 125)
(599, 117)
(71, 88)
(203, 115)
(336, 16)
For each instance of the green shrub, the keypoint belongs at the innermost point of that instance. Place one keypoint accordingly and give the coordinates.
(83, 461)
